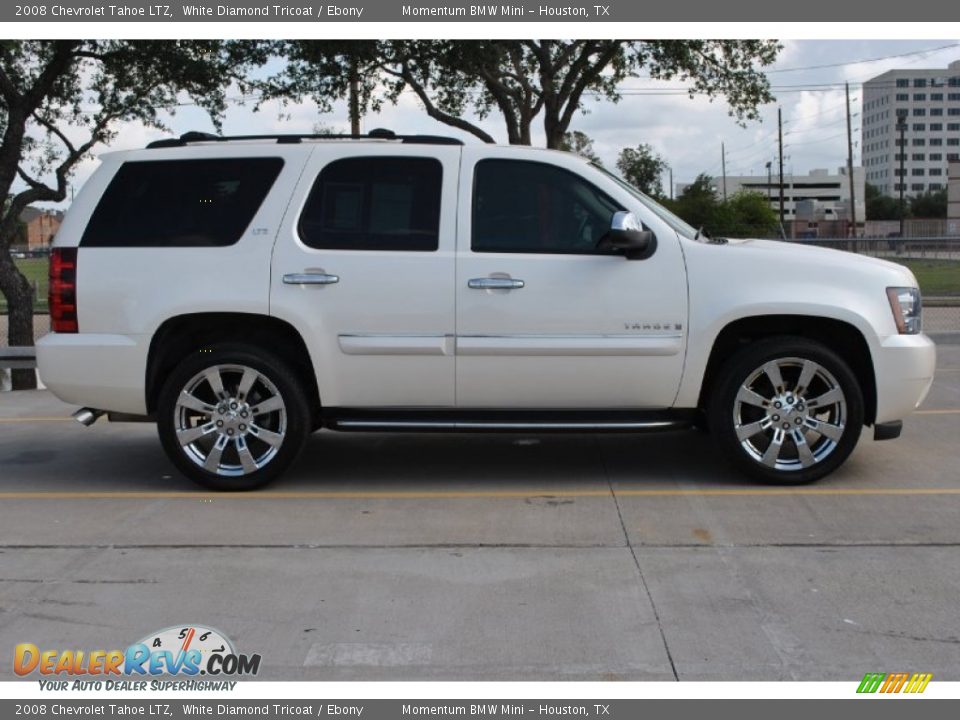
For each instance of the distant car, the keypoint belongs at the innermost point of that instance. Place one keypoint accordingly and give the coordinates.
(244, 292)
(19, 255)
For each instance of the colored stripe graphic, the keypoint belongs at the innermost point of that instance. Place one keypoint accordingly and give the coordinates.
(894, 682)
(918, 683)
(871, 682)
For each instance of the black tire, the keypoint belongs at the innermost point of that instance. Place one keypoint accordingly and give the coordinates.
(791, 463)
(275, 437)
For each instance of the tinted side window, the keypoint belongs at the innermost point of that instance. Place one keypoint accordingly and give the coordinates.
(181, 203)
(531, 207)
(375, 203)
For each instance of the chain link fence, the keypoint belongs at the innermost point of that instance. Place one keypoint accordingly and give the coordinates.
(934, 260)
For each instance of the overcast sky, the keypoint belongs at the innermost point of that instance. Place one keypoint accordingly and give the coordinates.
(686, 132)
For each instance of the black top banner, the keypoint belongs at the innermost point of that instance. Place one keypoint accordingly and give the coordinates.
(613, 11)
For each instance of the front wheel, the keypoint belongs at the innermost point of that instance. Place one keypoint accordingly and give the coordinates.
(232, 417)
(787, 410)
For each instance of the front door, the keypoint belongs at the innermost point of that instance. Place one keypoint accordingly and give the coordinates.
(544, 318)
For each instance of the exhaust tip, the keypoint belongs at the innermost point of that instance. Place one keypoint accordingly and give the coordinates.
(87, 416)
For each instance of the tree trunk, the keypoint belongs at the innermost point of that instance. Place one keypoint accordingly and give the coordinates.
(554, 130)
(16, 289)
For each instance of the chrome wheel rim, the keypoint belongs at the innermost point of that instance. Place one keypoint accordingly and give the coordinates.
(790, 414)
(230, 420)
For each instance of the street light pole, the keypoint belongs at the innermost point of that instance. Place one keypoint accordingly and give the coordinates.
(902, 127)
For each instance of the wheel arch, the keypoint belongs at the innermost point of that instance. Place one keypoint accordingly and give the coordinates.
(181, 335)
(839, 336)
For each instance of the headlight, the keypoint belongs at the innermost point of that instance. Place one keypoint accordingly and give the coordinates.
(906, 305)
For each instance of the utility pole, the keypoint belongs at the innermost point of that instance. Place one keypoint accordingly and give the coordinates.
(780, 142)
(671, 183)
(354, 97)
(853, 194)
(723, 162)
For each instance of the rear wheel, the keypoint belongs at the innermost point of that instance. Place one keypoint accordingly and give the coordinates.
(232, 417)
(787, 410)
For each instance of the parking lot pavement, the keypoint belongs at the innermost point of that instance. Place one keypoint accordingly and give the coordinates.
(491, 556)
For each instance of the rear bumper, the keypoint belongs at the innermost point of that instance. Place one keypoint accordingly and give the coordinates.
(904, 367)
(106, 372)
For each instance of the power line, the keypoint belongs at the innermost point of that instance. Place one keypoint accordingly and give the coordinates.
(814, 142)
(865, 60)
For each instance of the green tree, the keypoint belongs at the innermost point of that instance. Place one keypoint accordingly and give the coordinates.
(642, 168)
(325, 71)
(580, 143)
(523, 80)
(697, 204)
(882, 207)
(931, 204)
(746, 214)
(59, 99)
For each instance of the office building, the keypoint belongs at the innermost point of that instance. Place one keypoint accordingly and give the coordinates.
(928, 104)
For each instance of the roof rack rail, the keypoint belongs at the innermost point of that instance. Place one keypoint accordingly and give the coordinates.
(293, 138)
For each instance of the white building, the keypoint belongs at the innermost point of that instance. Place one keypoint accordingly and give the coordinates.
(819, 193)
(928, 101)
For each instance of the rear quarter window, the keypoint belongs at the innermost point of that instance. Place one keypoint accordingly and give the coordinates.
(181, 203)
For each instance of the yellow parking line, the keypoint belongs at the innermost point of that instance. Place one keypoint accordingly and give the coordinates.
(477, 494)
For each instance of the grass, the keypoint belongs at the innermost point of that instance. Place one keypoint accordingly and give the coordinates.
(936, 277)
(36, 271)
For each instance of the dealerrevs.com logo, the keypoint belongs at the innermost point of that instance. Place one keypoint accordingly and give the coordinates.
(188, 650)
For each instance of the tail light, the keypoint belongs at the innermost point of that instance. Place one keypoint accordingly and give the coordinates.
(63, 290)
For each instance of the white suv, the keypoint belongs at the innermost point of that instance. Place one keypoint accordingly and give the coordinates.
(243, 292)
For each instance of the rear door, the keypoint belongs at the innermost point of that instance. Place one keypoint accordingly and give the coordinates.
(364, 268)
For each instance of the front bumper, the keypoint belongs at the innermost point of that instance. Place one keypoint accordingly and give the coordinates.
(106, 372)
(904, 367)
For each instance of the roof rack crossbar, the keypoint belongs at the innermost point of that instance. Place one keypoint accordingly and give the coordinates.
(292, 138)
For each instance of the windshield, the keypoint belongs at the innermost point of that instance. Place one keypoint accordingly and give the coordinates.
(656, 208)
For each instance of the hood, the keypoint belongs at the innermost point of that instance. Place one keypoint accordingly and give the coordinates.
(784, 255)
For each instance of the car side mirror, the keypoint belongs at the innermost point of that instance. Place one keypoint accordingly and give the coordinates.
(626, 234)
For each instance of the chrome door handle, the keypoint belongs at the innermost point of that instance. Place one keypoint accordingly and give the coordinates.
(495, 283)
(310, 279)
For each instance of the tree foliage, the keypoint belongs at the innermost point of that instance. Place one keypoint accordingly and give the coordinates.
(697, 202)
(580, 143)
(59, 99)
(931, 204)
(642, 167)
(883, 207)
(522, 80)
(745, 214)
